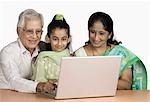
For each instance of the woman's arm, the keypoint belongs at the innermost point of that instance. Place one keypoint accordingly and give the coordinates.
(125, 80)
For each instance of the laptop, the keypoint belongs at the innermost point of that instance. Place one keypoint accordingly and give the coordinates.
(82, 77)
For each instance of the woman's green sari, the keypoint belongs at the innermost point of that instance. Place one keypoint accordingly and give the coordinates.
(129, 59)
(47, 65)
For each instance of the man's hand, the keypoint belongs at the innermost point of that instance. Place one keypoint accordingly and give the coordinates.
(45, 86)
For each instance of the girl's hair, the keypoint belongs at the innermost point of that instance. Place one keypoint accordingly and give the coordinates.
(107, 22)
(59, 21)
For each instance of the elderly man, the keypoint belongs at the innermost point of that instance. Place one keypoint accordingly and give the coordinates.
(16, 57)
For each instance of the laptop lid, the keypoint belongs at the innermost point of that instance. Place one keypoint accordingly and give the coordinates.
(88, 76)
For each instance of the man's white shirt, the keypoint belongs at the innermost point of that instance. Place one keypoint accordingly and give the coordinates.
(15, 68)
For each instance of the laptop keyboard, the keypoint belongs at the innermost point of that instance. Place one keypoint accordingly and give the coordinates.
(52, 94)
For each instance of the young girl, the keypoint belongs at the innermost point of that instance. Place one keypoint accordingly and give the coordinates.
(47, 64)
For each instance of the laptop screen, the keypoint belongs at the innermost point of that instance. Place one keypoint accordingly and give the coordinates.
(88, 76)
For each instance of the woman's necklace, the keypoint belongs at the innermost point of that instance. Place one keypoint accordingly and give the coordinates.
(97, 53)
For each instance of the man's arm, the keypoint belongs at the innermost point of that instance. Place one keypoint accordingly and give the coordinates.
(16, 81)
(12, 73)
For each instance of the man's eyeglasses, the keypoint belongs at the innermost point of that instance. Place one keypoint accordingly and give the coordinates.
(31, 31)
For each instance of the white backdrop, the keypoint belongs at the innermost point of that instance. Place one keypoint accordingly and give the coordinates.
(130, 20)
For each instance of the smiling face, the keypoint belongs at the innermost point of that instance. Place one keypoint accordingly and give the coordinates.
(98, 35)
(30, 34)
(59, 39)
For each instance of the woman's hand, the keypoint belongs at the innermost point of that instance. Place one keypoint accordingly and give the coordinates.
(125, 80)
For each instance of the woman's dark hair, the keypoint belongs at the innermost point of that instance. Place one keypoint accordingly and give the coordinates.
(107, 22)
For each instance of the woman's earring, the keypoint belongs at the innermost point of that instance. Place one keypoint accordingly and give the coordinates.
(109, 36)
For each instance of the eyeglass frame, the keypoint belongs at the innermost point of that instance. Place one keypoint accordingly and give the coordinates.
(31, 31)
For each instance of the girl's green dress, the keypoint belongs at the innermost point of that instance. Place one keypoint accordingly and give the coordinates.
(47, 65)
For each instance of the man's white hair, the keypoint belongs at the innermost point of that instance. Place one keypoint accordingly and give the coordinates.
(29, 14)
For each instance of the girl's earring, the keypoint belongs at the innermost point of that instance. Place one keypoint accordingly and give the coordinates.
(69, 40)
(47, 39)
